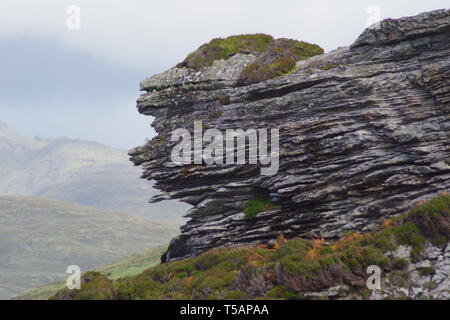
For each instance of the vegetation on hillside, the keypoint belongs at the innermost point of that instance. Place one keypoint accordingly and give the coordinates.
(286, 270)
(275, 57)
(126, 267)
(257, 205)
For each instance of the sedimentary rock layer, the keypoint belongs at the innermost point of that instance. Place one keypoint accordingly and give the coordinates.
(364, 134)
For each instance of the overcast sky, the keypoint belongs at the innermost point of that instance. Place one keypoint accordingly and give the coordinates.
(83, 83)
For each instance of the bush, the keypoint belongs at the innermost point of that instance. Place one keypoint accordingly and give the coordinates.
(409, 234)
(279, 59)
(436, 208)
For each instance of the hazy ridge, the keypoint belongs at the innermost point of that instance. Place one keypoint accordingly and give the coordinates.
(82, 172)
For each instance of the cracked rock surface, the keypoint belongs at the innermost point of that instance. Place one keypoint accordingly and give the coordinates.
(364, 134)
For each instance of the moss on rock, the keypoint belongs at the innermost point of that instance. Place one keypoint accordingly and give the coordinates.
(286, 270)
(274, 57)
(257, 205)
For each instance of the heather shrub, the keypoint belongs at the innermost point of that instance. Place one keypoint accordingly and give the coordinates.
(274, 57)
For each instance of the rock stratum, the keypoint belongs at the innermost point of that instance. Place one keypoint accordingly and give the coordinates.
(364, 135)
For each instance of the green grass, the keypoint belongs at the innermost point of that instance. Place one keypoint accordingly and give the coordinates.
(133, 265)
(329, 67)
(409, 234)
(42, 293)
(257, 205)
(286, 270)
(435, 209)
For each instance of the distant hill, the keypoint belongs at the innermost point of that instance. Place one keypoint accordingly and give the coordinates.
(82, 172)
(411, 251)
(40, 238)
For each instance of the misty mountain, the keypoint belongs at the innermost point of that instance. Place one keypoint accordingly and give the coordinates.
(82, 172)
(40, 238)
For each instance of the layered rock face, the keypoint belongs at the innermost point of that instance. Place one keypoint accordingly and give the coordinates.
(364, 134)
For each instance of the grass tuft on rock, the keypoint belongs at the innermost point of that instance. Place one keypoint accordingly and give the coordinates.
(257, 205)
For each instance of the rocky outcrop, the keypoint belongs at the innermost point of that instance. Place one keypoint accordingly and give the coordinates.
(425, 279)
(428, 278)
(364, 134)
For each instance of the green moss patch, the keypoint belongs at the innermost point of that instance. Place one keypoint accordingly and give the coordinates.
(257, 205)
(433, 217)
